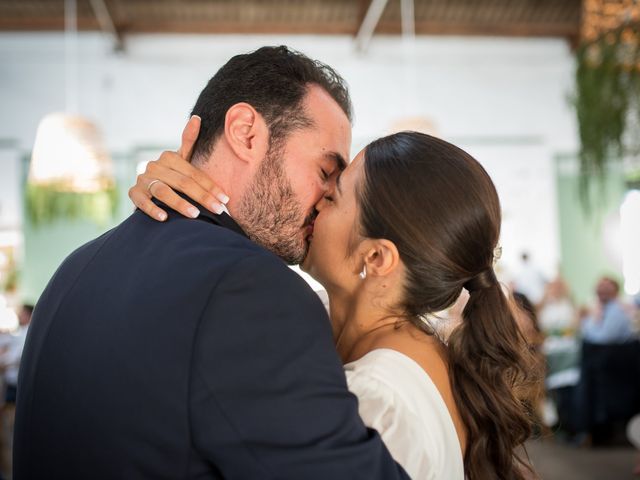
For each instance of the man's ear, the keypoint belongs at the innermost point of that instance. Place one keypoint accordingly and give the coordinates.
(246, 132)
(382, 258)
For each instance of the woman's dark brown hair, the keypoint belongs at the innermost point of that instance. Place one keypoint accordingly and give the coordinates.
(440, 208)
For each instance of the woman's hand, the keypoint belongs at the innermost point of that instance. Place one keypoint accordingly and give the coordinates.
(172, 171)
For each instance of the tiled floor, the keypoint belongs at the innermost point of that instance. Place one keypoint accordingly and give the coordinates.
(554, 461)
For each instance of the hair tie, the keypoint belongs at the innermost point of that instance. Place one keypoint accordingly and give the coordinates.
(485, 279)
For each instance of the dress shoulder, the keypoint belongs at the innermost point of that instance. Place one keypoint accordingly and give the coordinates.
(398, 399)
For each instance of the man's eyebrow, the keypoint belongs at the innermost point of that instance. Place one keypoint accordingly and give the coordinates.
(339, 159)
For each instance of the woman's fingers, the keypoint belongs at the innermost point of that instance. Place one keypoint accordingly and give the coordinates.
(187, 179)
(141, 196)
(142, 200)
(166, 195)
(172, 172)
(189, 137)
(201, 189)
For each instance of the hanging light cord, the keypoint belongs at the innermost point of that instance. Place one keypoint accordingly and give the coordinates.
(71, 55)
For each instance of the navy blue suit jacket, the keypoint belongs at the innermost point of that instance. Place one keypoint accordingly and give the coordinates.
(184, 350)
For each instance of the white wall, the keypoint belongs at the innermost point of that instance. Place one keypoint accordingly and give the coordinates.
(502, 99)
(10, 204)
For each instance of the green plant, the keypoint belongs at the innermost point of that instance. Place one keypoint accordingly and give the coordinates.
(11, 282)
(607, 101)
(46, 203)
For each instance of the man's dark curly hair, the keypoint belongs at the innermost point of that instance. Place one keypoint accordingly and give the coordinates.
(274, 80)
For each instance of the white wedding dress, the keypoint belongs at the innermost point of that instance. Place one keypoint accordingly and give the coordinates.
(398, 399)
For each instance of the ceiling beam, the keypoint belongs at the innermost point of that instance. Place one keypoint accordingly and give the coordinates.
(106, 23)
(368, 26)
(359, 18)
(566, 29)
(408, 19)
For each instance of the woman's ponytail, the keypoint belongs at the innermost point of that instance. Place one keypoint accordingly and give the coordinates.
(490, 367)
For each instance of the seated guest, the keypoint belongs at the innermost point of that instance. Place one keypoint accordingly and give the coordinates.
(11, 354)
(527, 319)
(11, 346)
(610, 323)
(529, 280)
(556, 312)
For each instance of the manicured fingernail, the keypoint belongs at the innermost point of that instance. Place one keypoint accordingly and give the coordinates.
(223, 198)
(197, 116)
(193, 212)
(215, 208)
(162, 216)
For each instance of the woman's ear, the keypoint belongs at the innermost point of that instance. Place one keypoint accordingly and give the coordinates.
(246, 132)
(382, 258)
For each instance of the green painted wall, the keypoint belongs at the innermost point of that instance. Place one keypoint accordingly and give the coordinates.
(582, 245)
(46, 246)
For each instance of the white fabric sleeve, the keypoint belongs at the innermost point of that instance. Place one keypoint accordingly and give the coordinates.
(382, 409)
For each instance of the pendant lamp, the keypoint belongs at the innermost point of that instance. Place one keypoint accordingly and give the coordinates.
(71, 173)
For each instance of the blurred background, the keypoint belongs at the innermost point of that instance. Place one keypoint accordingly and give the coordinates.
(544, 93)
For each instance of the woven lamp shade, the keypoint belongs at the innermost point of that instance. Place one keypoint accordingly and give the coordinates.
(71, 173)
(69, 155)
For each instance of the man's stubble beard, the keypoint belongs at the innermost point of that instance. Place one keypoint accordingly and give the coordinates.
(270, 213)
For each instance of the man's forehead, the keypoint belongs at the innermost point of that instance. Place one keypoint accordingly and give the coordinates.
(324, 109)
(331, 125)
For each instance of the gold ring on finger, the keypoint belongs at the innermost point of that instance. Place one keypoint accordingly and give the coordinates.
(150, 185)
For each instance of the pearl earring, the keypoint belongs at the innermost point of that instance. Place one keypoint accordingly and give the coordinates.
(363, 273)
